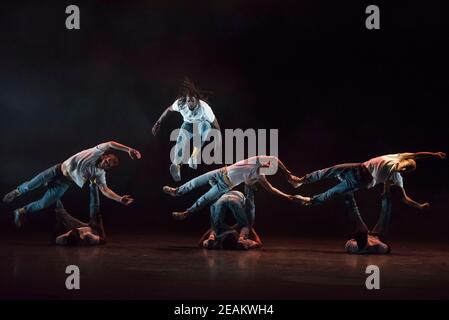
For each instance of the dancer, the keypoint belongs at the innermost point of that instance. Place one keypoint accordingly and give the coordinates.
(88, 164)
(240, 236)
(77, 233)
(356, 176)
(223, 180)
(199, 119)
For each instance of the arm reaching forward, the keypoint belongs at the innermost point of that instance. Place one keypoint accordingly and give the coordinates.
(420, 155)
(410, 202)
(133, 153)
(157, 125)
(108, 193)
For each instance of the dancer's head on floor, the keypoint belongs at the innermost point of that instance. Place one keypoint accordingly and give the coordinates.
(107, 161)
(73, 237)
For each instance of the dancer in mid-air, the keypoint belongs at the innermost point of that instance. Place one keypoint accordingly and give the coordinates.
(223, 180)
(88, 164)
(366, 175)
(72, 232)
(199, 119)
(384, 170)
(239, 236)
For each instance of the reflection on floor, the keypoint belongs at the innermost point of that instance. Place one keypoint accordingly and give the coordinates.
(173, 267)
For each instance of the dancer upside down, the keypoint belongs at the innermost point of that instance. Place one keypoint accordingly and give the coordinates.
(223, 180)
(75, 232)
(199, 119)
(88, 164)
(240, 236)
(385, 169)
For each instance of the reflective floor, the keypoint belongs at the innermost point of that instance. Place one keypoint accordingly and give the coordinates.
(173, 267)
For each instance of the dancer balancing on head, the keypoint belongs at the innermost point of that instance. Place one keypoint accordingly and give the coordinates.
(73, 232)
(387, 170)
(241, 235)
(248, 171)
(88, 164)
(199, 119)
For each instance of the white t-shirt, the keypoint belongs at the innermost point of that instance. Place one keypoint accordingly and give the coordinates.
(247, 170)
(82, 166)
(383, 169)
(203, 112)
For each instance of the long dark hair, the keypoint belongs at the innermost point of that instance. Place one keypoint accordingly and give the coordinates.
(188, 88)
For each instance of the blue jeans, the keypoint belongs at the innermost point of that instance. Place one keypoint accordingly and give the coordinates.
(95, 218)
(235, 202)
(56, 185)
(352, 176)
(381, 227)
(218, 188)
(187, 132)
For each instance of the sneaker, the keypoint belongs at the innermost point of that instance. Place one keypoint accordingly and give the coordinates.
(9, 197)
(170, 191)
(19, 217)
(296, 182)
(180, 215)
(192, 163)
(175, 171)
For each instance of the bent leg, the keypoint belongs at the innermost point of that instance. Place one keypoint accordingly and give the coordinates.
(354, 213)
(196, 182)
(381, 227)
(213, 194)
(329, 173)
(53, 194)
(65, 219)
(185, 134)
(39, 180)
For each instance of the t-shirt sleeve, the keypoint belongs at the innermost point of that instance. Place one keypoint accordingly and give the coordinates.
(100, 178)
(101, 148)
(208, 113)
(397, 180)
(175, 105)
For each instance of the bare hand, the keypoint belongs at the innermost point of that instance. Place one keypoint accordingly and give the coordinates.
(180, 215)
(440, 155)
(156, 128)
(300, 199)
(134, 154)
(126, 200)
(424, 206)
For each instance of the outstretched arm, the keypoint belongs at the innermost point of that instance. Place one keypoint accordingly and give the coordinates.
(269, 160)
(157, 125)
(267, 186)
(420, 155)
(133, 153)
(410, 202)
(108, 193)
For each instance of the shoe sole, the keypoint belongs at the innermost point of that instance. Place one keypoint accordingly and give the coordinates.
(175, 173)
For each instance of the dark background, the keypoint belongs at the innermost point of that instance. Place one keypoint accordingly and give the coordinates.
(336, 91)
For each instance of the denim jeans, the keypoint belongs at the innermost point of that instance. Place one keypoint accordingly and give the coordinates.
(218, 188)
(351, 179)
(229, 202)
(187, 132)
(381, 227)
(95, 219)
(56, 185)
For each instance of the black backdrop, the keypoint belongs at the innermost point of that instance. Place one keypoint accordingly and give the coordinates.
(336, 91)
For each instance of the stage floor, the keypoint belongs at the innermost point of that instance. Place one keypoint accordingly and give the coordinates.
(173, 267)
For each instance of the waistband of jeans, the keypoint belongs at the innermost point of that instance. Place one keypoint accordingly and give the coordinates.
(60, 175)
(224, 172)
